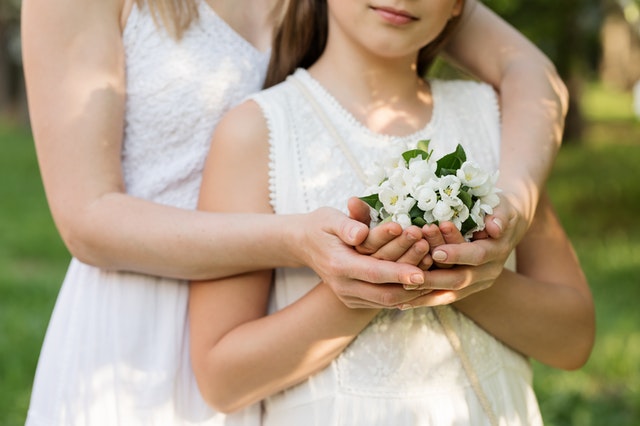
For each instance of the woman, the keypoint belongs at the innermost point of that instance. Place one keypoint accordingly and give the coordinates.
(123, 99)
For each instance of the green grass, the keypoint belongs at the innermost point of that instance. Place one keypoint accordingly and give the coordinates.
(596, 189)
(32, 264)
(595, 186)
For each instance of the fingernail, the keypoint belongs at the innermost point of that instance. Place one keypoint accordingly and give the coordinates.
(404, 307)
(417, 279)
(410, 286)
(498, 223)
(439, 256)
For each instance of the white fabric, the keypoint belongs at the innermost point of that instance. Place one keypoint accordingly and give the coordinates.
(116, 349)
(402, 369)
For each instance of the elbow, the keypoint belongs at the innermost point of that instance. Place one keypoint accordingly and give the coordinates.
(573, 352)
(573, 359)
(219, 396)
(77, 240)
(83, 240)
(219, 388)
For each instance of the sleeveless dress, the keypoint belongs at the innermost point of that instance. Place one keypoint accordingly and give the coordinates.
(116, 348)
(402, 369)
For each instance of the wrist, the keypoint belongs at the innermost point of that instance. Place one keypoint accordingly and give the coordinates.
(293, 233)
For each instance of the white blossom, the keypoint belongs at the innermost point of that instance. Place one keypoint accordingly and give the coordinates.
(471, 175)
(426, 196)
(402, 219)
(406, 188)
(442, 211)
(449, 188)
(460, 214)
(395, 202)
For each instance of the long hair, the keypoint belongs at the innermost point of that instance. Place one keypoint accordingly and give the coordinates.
(302, 37)
(176, 16)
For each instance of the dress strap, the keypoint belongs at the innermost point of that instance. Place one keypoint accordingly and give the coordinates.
(330, 127)
(454, 340)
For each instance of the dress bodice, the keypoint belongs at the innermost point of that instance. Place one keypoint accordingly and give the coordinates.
(176, 93)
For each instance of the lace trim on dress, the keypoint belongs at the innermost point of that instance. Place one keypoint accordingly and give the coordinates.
(319, 90)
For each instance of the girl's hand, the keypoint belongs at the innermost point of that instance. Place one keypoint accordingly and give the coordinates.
(450, 283)
(504, 230)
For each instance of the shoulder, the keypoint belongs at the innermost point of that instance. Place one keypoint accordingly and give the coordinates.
(467, 98)
(461, 90)
(241, 127)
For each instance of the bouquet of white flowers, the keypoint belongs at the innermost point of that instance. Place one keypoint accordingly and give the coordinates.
(415, 189)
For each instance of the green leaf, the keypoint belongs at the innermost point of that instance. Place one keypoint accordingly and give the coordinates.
(416, 211)
(450, 163)
(466, 198)
(413, 153)
(373, 200)
(419, 221)
(424, 146)
(467, 225)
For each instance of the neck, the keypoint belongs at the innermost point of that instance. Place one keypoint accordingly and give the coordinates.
(384, 94)
(253, 20)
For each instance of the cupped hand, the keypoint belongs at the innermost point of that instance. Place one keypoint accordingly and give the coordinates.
(454, 282)
(372, 280)
(503, 231)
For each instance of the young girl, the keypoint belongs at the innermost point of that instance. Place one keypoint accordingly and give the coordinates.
(303, 143)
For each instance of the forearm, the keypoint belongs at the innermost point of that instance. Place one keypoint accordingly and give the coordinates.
(533, 103)
(533, 100)
(551, 324)
(121, 232)
(265, 356)
(546, 309)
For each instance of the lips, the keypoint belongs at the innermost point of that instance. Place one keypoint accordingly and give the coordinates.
(394, 16)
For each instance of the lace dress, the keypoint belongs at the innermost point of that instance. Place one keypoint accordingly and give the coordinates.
(116, 349)
(402, 369)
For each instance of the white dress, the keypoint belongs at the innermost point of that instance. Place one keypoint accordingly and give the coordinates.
(402, 369)
(116, 349)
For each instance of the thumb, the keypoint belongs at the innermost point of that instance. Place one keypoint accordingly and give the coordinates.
(359, 210)
(352, 232)
(494, 225)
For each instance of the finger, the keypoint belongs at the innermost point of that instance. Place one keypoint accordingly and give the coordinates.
(397, 247)
(480, 235)
(468, 253)
(426, 263)
(378, 237)
(432, 298)
(449, 279)
(503, 215)
(433, 235)
(356, 294)
(449, 234)
(376, 271)
(415, 254)
(359, 210)
(493, 226)
(350, 231)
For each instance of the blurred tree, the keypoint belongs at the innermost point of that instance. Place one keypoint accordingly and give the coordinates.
(12, 93)
(568, 32)
(620, 34)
